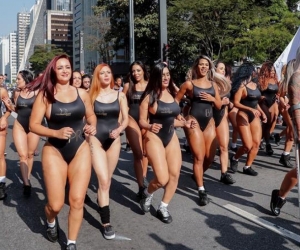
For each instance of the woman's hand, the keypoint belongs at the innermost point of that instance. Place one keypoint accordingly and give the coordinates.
(89, 130)
(3, 123)
(8, 103)
(206, 97)
(155, 127)
(264, 118)
(256, 113)
(225, 101)
(64, 133)
(115, 133)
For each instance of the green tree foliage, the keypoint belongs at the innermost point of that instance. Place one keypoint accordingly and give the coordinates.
(227, 30)
(42, 55)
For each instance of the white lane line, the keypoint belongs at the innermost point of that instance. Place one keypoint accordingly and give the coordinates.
(266, 224)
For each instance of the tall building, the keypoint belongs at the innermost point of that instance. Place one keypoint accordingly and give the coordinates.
(4, 55)
(23, 29)
(62, 5)
(13, 59)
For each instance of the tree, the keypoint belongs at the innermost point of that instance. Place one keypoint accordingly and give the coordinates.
(42, 55)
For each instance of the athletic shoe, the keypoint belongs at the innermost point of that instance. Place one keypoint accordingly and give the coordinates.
(227, 179)
(203, 199)
(140, 193)
(187, 149)
(146, 202)
(108, 232)
(276, 202)
(52, 232)
(262, 146)
(250, 171)
(128, 148)
(269, 149)
(5, 154)
(272, 138)
(233, 165)
(27, 191)
(285, 161)
(164, 215)
(3, 194)
(234, 149)
(71, 246)
(145, 182)
(277, 138)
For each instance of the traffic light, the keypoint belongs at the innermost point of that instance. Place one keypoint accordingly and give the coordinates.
(166, 48)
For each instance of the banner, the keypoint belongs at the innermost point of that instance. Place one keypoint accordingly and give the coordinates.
(288, 54)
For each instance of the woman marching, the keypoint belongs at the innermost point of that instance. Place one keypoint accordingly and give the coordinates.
(66, 155)
(246, 97)
(161, 142)
(138, 79)
(204, 94)
(25, 141)
(3, 132)
(268, 85)
(106, 145)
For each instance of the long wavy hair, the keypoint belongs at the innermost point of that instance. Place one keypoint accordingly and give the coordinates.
(221, 81)
(154, 86)
(265, 75)
(242, 77)
(95, 89)
(46, 82)
(131, 79)
(287, 76)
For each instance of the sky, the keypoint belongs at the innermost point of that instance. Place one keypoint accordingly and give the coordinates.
(9, 11)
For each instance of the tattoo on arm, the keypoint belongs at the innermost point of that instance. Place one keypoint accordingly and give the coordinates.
(91, 148)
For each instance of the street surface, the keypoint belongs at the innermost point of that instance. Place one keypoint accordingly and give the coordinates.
(237, 218)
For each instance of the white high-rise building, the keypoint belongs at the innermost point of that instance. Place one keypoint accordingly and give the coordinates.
(23, 29)
(4, 55)
(13, 59)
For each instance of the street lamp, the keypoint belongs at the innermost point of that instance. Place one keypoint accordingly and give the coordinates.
(131, 32)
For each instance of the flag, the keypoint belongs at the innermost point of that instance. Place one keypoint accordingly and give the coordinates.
(288, 54)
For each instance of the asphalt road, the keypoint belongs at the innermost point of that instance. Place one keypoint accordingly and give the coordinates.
(238, 216)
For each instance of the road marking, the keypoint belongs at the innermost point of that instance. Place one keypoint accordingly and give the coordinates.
(266, 224)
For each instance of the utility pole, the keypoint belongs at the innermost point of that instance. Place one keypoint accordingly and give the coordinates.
(163, 37)
(131, 32)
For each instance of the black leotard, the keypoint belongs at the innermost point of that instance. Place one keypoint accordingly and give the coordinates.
(200, 109)
(134, 106)
(270, 94)
(219, 113)
(107, 120)
(23, 108)
(165, 115)
(67, 115)
(251, 100)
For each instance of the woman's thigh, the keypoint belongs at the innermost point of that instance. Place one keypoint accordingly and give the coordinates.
(112, 155)
(174, 157)
(32, 141)
(244, 129)
(134, 136)
(20, 139)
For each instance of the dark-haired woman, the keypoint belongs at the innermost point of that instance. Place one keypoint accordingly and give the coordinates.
(204, 94)
(268, 85)
(86, 82)
(222, 130)
(106, 144)
(77, 79)
(158, 113)
(246, 97)
(3, 132)
(66, 155)
(138, 79)
(25, 141)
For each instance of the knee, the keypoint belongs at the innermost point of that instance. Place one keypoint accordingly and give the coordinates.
(104, 185)
(23, 157)
(223, 148)
(162, 181)
(76, 202)
(55, 207)
(247, 148)
(30, 155)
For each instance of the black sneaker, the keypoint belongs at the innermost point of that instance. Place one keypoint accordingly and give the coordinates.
(272, 138)
(276, 202)
(269, 149)
(203, 199)
(233, 165)
(3, 194)
(71, 246)
(108, 232)
(27, 191)
(52, 232)
(262, 145)
(128, 148)
(277, 138)
(187, 149)
(250, 171)
(146, 202)
(285, 161)
(140, 193)
(234, 149)
(145, 182)
(164, 215)
(227, 179)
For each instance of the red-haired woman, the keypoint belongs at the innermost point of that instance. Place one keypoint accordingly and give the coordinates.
(138, 79)
(66, 155)
(3, 132)
(106, 144)
(204, 93)
(268, 85)
(25, 141)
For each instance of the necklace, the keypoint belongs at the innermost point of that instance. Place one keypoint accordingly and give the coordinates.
(106, 94)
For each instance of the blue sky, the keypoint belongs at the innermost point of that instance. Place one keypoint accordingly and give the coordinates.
(9, 11)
